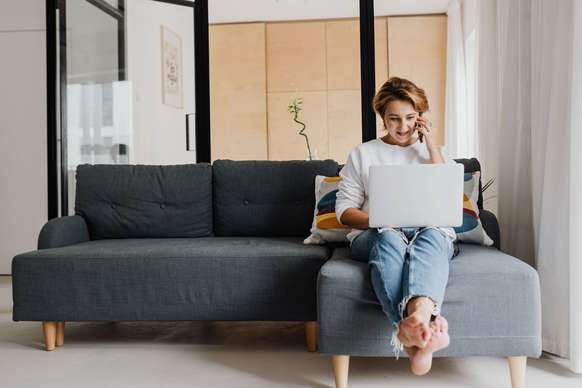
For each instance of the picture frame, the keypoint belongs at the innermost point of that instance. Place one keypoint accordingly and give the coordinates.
(172, 68)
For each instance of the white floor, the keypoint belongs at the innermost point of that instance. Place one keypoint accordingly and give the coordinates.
(222, 354)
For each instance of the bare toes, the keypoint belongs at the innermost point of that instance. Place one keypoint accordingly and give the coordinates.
(436, 325)
(445, 325)
(425, 332)
(441, 323)
(410, 335)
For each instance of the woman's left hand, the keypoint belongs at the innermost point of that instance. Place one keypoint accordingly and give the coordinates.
(424, 126)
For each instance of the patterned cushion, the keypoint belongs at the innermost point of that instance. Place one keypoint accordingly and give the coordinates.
(325, 227)
(473, 165)
(472, 230)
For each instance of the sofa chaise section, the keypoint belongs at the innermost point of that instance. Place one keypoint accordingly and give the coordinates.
(183, 242)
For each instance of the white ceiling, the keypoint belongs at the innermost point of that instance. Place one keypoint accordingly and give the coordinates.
(225, 11)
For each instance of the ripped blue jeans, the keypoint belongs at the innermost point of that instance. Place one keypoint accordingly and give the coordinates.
(404, 263)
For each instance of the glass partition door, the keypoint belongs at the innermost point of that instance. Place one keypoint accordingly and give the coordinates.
(127, 89)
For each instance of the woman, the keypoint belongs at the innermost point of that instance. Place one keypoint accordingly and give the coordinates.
(409, 267)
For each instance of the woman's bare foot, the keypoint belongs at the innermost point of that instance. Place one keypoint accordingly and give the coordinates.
(414, 330)
(421, 359)
(440, 324)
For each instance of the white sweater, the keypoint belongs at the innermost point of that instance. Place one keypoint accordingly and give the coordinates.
(353, 189)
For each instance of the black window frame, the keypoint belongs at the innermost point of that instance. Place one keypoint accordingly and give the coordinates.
(202, 84)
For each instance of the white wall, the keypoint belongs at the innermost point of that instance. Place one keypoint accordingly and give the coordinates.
(23, 176)
(229, 11)
(159, 130)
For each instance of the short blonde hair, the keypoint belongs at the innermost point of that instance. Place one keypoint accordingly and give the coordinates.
(399, 89)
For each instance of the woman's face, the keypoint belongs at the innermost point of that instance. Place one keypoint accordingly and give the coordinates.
(400, 120)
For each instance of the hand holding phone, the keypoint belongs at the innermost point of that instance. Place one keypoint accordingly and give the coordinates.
(416, 126)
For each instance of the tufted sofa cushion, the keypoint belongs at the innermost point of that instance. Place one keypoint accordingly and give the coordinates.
(137, 201)
(266, 198)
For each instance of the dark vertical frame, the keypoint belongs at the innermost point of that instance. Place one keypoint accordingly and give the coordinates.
(202, 81)
(121, 41)
(62, 5)
(51, 90)
(368, 69)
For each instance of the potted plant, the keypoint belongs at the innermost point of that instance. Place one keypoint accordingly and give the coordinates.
(294, 108)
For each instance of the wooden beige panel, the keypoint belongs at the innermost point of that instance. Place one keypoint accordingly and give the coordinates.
(417, 48)
(344, 122)
(238, 91)
(381, 59)
(380, 51)
(284, 141)
(343, 55)
(296, 56)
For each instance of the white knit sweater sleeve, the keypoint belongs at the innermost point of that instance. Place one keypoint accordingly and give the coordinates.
(446, 156)
(350, 189)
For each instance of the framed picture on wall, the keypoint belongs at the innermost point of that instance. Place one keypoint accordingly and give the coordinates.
(171, 49)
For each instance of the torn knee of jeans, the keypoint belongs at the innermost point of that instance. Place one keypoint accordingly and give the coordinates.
(397, 346)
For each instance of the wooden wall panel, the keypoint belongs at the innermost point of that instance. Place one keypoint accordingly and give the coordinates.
(257, 69)
(284, 141)
(381, 60)
(344, 119)
(417, 51)
(296, 66)
(344, 123)
(238, 91)
(343, 55)
(295, 56)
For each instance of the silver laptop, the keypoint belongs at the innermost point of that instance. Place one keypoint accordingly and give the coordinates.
(416, 195)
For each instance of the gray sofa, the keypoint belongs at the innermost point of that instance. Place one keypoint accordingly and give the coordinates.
(492, 303)
(224, 242)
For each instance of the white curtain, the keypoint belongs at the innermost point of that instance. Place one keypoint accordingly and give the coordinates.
(459, 135)
(529, 109)
(576, 195)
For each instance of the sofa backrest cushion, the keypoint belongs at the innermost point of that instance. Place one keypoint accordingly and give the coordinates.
(266, 198)
(134, 201)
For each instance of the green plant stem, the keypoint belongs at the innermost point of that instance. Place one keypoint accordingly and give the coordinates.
(303, 134)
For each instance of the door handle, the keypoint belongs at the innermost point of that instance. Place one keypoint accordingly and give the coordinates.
(190, 117)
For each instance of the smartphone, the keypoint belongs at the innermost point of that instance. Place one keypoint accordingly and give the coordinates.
(416, 126)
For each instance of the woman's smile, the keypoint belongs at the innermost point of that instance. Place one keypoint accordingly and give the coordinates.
(405, 133)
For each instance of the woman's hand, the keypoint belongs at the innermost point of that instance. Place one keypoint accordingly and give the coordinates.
(355, 218)
(424, 127)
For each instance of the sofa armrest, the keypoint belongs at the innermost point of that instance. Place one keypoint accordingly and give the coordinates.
(63, 231)
(491, 226)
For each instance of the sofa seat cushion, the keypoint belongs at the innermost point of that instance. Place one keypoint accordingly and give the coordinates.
(169, 279)
(492, 304)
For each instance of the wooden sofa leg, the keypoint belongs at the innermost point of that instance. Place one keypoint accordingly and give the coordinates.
(311, 335)
(341, 366)
(50, 334)
(60, 340)
(517, 371)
